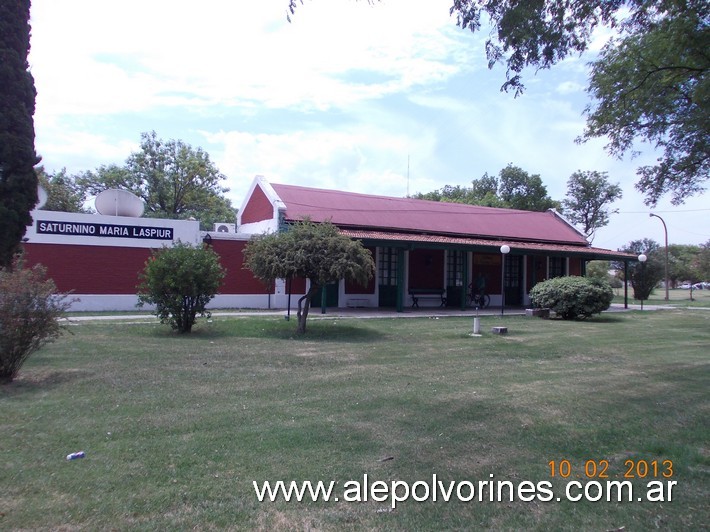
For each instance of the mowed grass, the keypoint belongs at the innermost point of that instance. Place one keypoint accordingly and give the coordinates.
(176, 428)
(677, 297)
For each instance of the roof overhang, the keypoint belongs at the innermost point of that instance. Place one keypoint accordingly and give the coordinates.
(412, 241)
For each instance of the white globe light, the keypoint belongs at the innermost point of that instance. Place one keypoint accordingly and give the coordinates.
(642, 258)
(505, 249)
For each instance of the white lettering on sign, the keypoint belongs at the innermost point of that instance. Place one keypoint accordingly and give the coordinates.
(47, 227)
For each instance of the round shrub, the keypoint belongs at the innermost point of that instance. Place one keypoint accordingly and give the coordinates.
(180, 281)
(573, 298)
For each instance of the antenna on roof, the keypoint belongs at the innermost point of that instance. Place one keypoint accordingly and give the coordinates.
(407, 175)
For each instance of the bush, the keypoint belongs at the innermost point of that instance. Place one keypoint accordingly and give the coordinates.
(29, 315)
(573, 298)
(180, 281)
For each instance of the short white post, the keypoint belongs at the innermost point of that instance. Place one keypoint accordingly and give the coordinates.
(476, 325)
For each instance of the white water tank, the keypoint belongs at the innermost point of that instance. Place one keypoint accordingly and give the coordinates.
(116, 202)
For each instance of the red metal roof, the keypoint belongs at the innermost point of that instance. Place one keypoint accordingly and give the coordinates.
(527, 247)
(351, 210)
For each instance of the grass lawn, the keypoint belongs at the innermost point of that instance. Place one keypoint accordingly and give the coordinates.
(176, 429)
(676, 297)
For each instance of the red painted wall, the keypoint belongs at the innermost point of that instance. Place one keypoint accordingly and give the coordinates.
(89, 269)
(238, 280)
(258, 207)
(488, 265)
(575, 266)
(426, 268)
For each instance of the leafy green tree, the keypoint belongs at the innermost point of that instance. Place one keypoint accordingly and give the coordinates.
(589, 195)
(650, 82)
(315, 251)
(18, 182)
(684, 263)
(63, 194)
(180, 281)
(514, 188)
(174, 180)
(520, 190)
(653, 85)
(704, 261)
(644, 277)
(30, 312)
(483, 191)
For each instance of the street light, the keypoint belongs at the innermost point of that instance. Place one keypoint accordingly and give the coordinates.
(504, 249)
(665, 230)
(642, 260)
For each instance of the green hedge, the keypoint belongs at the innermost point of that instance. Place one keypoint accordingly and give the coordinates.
(573, 298)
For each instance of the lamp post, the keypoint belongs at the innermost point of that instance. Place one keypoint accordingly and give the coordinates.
(642, 260)
(665, 230)
(504, 249)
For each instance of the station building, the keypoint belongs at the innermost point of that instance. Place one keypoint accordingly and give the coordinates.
(426, 253)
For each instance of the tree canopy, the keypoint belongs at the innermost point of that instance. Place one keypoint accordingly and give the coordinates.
(589, 195)
(63, 194)
(314, 251)
(643, 276)
(514, 188)
(174, 180)
(653, 86)
(18, 182)
(650, 82)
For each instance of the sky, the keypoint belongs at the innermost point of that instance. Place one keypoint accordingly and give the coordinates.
(390, 98)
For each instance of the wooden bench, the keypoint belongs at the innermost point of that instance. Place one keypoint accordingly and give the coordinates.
(356, 302)
(427, 293)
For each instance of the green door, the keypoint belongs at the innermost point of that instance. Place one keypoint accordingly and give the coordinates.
(387, 275)
(513, 280)
(331, 296)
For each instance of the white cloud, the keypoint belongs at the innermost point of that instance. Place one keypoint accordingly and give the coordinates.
(113, 58)
(362, 157)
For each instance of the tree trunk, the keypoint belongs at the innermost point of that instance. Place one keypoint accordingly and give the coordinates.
(304, 304)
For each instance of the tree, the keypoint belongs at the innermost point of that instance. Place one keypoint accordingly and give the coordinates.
(704, 261)
(653, 86)
(588, 196)
(684, 263)
(18, 182)
(643, 276)
(63, 194)
(600, 270)
(314, 251)
(173, 179)
(180, 281)
(30, 313)
(514, 188)
(483, 191)
(520, 190)
(650, 83)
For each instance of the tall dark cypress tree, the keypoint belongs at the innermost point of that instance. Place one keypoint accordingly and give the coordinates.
(18, 181)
